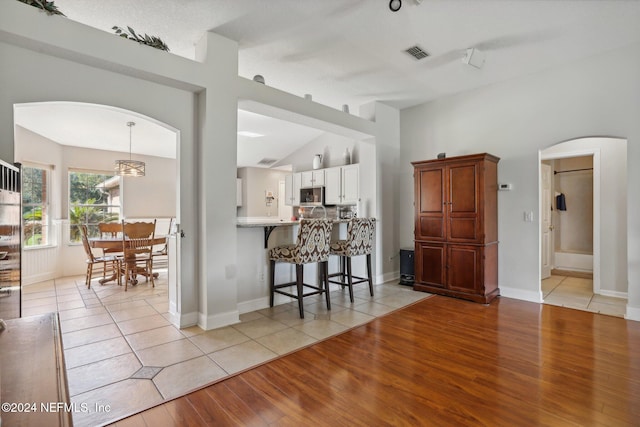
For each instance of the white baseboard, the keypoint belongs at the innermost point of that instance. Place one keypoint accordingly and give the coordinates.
(387, 277)
(37, 278)
(613, 294)
(633, 313)
(253, 305)
(218, 320)
(521, 294)
(183, 320)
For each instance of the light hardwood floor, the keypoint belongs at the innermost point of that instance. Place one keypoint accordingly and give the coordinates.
(440, 361)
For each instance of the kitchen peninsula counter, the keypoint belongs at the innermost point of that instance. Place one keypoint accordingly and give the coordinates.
(255, 236)
(270, 224)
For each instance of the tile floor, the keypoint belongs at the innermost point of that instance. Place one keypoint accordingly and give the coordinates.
(121, 350)
(577, 293)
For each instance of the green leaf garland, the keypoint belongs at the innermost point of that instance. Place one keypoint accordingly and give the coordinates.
(148, 40)
(47, 6)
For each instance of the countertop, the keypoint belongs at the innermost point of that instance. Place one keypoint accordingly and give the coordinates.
(34, 380)
(261, 222)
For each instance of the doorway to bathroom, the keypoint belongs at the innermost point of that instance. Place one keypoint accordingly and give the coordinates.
(582, 211)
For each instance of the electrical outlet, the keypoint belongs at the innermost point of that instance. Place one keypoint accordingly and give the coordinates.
(528, 216)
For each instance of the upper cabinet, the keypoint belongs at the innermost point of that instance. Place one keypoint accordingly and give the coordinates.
(342, 185)
(292, 185)
(450, 199)
(314, 178)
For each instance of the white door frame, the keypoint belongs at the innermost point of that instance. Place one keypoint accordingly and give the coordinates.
(546, 222)
(595, 152)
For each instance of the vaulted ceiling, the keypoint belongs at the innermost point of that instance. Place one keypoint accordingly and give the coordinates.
(353, 51)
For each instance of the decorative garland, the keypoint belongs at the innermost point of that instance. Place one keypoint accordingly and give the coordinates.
(47, 6)
(152, 41)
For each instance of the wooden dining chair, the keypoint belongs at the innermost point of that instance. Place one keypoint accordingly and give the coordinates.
(110, 263)
(137, 246)
(110, 230)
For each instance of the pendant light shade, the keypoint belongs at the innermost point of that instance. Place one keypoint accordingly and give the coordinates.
(130, 167)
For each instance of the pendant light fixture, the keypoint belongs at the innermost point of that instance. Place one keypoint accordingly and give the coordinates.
(129, 167)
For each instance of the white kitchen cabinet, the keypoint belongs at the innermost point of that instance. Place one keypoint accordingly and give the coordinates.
(313, 178)
(350, 184)
(342, 185)
(332, 190)
(292, 185)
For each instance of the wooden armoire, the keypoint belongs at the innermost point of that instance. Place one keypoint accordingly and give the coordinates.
(456, 227)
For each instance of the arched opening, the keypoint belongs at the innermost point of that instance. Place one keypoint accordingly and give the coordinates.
(62, 142)
(583, 255)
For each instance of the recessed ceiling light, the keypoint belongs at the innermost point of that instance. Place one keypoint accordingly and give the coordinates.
(249, 134)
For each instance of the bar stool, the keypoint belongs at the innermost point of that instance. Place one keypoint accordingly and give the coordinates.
(360, 232)
(312, 245)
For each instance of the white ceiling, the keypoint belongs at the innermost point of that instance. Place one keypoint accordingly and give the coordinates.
(351, 51)
(105, 128)
(96, 127)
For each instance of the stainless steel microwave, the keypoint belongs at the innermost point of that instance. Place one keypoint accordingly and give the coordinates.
(312, 196)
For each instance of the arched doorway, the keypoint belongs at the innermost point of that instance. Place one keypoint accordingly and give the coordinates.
(583, 224)
(63, 138)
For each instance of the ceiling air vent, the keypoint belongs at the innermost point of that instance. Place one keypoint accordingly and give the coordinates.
(267, 162)
(417, 52)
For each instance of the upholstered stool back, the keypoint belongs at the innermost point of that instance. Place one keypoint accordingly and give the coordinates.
(359, 241)
(313, 244)
(360, 234)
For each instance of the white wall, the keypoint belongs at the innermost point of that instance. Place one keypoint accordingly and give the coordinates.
(330, 146)
(514, 120)
(255, 183)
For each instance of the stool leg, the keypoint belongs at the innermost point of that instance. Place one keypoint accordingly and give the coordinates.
(272, 277)
(343, 270)
(299, 278)
(350, 278)
(325, 269)
(369, 274)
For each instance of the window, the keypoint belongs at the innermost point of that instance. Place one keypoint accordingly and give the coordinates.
(94, 197)
(35, 206)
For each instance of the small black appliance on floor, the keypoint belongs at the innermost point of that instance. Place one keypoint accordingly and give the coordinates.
(406, 267)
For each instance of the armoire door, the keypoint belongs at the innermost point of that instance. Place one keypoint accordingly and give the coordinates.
(463, 268)
(431, 204)
(462, 202)
(430, 264)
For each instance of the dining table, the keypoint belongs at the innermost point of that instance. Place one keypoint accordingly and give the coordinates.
(117, 243)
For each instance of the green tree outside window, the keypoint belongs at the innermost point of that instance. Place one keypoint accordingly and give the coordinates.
(35, 206)
(93, 198)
